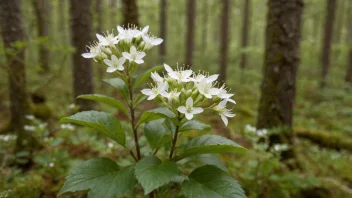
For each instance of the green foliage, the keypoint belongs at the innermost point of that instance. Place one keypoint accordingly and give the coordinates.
(152, 173)
(156, 133)
(156, 114)
(139, 79)
(211, 182)
(119, 84)
(100, 121)
(106, 100)
(194, 125)
(102, 176)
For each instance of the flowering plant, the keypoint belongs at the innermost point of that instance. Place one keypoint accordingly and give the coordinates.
(181, 94)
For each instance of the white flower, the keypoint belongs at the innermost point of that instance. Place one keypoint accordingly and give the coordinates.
(223, 112)
(205, 87)
(261, 132)
(30, 117)
(43, 125)
(180, 76)
(29, 128)
(107, 40)
(156, 77)
(94, 50)
(155, 91)
(134, 55)
(172, 95)
(115, 63)
(128, 34)
(197, 78)
(67, 126)
(151, 41)
(110, 145)
(71, 106)
(222, 93)
(212, 78)
(280, 147)
(250, 128)
(189, 110)
(51, 164)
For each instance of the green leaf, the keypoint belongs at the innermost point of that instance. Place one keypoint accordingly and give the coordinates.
(140, 98)
(152, 173)
(205, 159)
(138, 80)
(211, 182)
(119, 84)
(156, 114)
(102, 176)
(106, 100)
(209, 144)
(156, 133)
(193, 125)
(100, 121)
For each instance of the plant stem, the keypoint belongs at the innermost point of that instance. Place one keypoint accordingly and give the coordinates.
(174, 140)
(151, 195)
(133, 124)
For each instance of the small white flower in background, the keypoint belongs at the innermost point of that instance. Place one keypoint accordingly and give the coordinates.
(72, 106)
(108, 40)
(179, 75)
(134, 55)
(223, 112)
(6, 138)
(155, 91)
(110, 145)
(205, 87)
(115, 63)
(51, 164)
(156, 77)
(67, 126)
(43, 125)
(30, 117)
(250, 128)
(280, 147)
(189, 110)
(262, 132)
(29, 128)
(151, 41)
(94, 50)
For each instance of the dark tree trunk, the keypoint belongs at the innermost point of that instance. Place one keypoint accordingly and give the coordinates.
(326, 47)
(205, 26)
(245, 32)
(81, 29)
(282, 57)
(349, 61)
(99, 16)
(12, 31)
(130, 12)
(224, 31)
(113, 12)
(41, 8)
(163, 29)
(191, 17)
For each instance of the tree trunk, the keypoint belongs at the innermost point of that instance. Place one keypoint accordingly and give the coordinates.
(326, 47)
(224, 29)
(12, 31)
(41, 12)
(163, 29)
(81, 28)
(130, 12)
(349, 60)
(205, 27)
(245, 32)
(282, 57)
(191, 17)
(99, 16)
(113, 12)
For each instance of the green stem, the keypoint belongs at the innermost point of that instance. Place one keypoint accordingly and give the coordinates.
(174, 140)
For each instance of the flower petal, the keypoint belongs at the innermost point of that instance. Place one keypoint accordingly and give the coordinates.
(224, 119)
(108, 62)
(189, 102)
(157, 41)
(127, 55)
(197, 110)
(111, 69)
(168, 68)
(189, 116)
(139, 61)
(88, 55)
(182, 109)
(147, 92)
(140, 55)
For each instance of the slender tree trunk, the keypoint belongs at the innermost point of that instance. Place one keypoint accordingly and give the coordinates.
(41, 8)
(163, 28)
(12, 31)
(224, 31)
(113, 12)
(282, 57)
(81, 29)
(99, 16)
(191, 17)
(328, 33)
(63, 21)
(245, 32)
(349, 61)
(130, 12)
(205, 26)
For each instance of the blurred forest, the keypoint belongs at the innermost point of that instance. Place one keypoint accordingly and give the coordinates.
(288, 61)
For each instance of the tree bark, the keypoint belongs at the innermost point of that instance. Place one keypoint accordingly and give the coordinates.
(191, 17)
(224, 31)
(245, 32)
(163, 29)
(81, 28)
(99, 16)
(348, 77)
(113, 12)
(328, 33)
(282, 58)
(12, 31)
(205, 27)
(41, 11)
(130, 12)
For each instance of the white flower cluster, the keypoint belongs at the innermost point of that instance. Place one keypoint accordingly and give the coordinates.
(7, 138)
(258, 132)
(189, 93)
(129, 45)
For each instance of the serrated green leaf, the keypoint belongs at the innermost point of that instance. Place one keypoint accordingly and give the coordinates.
(106, 100)
(156, 114)
(205, 159)
(211, 182)
(156, 133)
(152, 173)
(193, 125)
(100, 121)
(102, 176)
(119, 84)
(138, 80)
(209, 144)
